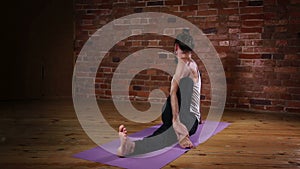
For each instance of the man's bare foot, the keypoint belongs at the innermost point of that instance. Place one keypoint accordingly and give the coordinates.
(126, 146)
(186, 143)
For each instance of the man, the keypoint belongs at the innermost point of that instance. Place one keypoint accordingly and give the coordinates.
(181, 114)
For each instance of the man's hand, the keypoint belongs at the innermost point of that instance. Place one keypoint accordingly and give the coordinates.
(182, 134)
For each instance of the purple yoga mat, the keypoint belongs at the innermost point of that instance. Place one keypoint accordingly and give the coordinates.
(152, 160)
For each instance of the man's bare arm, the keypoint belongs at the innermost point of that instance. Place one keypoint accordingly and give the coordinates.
(174, 100)
(174, 88)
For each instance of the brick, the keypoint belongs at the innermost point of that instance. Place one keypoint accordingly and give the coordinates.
(189, 2)
(243, 106)
(138, 10)
(272, 96)
(269, 2)
(291, 83)
(248, 50)
(250, 36)
(232, 4)
(230, 11)
(138, 82)
(106, 69)
(274, 89)
(103, 12)
(245, 62)
(160, 83)
(296, 97)
(264, 63)
(253, 23)
(252, 16)
(243, 100)
(283, 76)
(234, 18)
(221, 49)
(244, 75)
(270, 15)
(203, 7)
(142, 77)
(233, 24)
(278, 56)
(255, 3)
(265, 50)
(260, 102)
(234, 43)
(233, 30)
(249, 56)
(188, 8)
(251, 30)
(253, 43)
(224, 43)
(137, 88)
(293, 110)
(293, 103)
(282, 2)
(266, 56)
(258, 107)
(206, 1)
(294, 90)
(275, 108)
(159, 77)
(292, 57)
(281, 43)
(173, 2)
(291, 42)
(87, 22)
(243, 68)
(155, 3)
(153, 43)
(251, 10)
(281, 29)
(286, 69)
(136, 43)
(142, 94)
(189, 13)
(276, 22)
(207, 12)
(210, 30)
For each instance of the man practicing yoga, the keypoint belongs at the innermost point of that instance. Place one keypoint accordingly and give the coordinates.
(181, 112)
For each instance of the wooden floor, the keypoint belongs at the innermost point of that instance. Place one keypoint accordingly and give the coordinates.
(45, 135)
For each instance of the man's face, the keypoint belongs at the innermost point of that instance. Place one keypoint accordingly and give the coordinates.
(177, 51)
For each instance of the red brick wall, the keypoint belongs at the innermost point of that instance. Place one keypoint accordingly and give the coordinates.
(257, 41)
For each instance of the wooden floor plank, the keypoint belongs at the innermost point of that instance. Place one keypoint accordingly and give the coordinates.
(46, 133)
